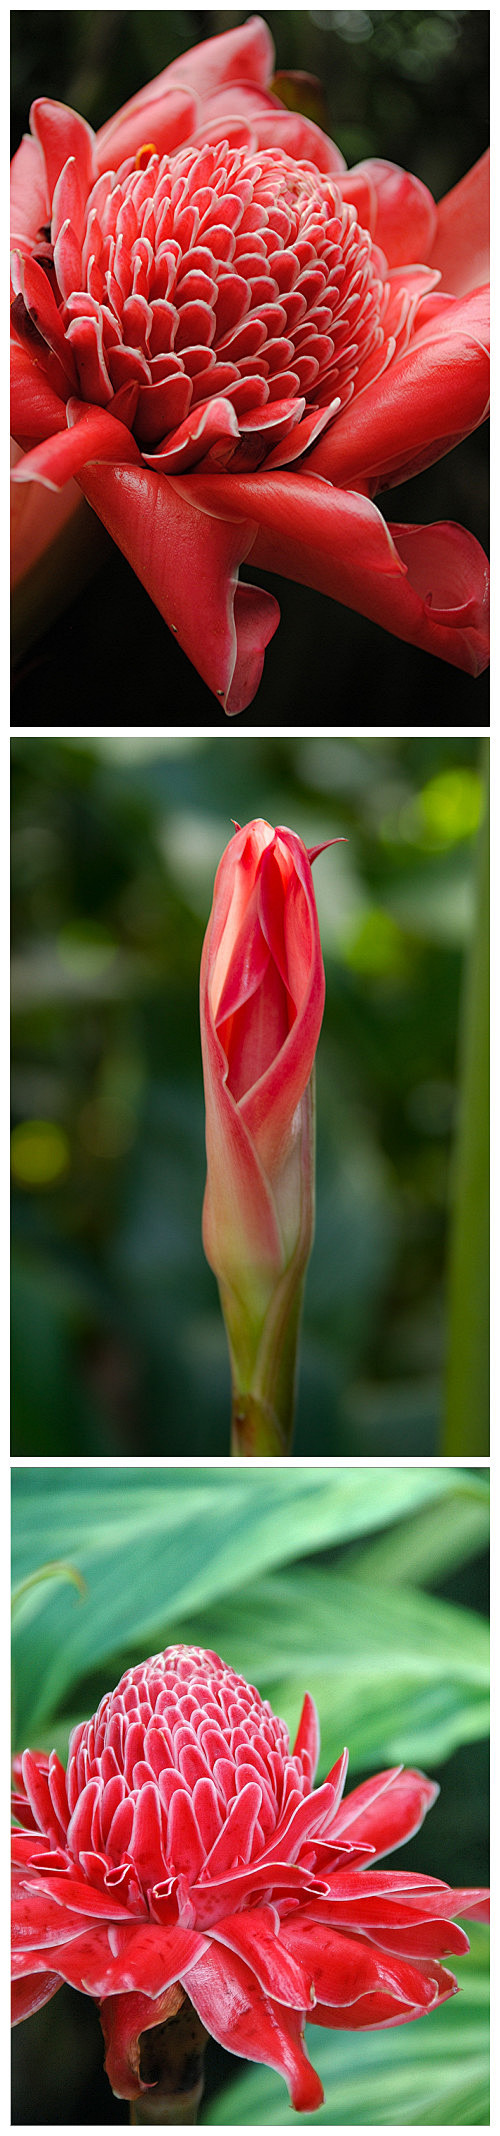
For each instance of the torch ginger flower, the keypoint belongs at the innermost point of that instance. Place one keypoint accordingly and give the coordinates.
(185, 1853)
(262, 993)
(232, 343)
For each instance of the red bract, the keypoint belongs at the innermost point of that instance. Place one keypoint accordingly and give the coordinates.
(262, 995)
(184, 1851)
(232, 343)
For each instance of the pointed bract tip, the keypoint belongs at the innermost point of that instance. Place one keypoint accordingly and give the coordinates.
(313, 851)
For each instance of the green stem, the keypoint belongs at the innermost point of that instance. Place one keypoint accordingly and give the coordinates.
(466, 1428)
(172, 2064)
(255, 1428)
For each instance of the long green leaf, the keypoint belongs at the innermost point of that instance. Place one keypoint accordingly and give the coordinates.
(430, 1544)
(431, 2073)
(395, 1674)
(153, 1546)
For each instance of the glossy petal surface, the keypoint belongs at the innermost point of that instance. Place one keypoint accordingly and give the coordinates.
(206, 273)
(183, 1853)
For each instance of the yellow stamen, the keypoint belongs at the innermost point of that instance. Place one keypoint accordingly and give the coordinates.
(143, 155)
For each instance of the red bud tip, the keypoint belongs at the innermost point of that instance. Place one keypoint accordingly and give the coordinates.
(312, 851)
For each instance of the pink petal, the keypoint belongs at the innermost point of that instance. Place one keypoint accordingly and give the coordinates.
(377, 2011)
(39, 1920)
(62, 133)
(176, 545)
(184, 1842)
(386, 1895)
(405, 222)
(307, 1740)
(95, 435)
(298, 137)
(36, 410)
(167, 121)
(475, 1903)
(225, 1994)
(427, 1939)
(313, 1814)
(337, 541)
(44, 313)
(123, 2018)
(386, 1809)
(145, 1957)
(221, 1895)
(344, 1968)
(233, 1845)
(241, 55)
(461, 244)
(31, 1993)
(433, 396)
(147, 1843)
(245, 54)
(269, 1108)
(29, 198)
(186, 446)
(75, 1897)
(35, 1778)
(252, 1937)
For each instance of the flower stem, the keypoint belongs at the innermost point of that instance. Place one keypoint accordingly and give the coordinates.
(255, 1428)
(172, 2063)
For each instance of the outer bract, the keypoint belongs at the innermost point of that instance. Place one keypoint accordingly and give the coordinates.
(231, 343)
(262, 994)
(185, 1851)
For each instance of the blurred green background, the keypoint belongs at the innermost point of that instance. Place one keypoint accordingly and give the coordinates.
(118, 1342)
(368, 1587)
(411, 85)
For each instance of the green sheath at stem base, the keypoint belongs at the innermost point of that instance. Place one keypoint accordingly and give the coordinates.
(172, 2063)
(255, 1428)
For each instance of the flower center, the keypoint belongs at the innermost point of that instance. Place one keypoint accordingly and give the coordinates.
(217, 273)
(180, 1739)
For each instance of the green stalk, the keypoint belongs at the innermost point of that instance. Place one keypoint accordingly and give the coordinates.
(466, 1425)
(264, 1342)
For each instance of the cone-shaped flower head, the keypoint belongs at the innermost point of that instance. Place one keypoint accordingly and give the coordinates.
(201, 293)
(185, 1852)
(262, 998)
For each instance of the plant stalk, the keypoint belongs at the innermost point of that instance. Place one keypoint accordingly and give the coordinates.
(172, 2064)
(255, 1428)
(466, 1429)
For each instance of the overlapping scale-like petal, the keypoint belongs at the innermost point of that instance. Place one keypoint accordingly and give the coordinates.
(206, 273)
(257, 1932)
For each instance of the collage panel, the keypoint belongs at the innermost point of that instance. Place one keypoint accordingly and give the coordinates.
(193, 1859)
(250, 1067)
(250, 300)
(128, 876)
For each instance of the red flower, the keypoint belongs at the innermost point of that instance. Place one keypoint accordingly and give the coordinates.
(223, 336)
(185, 1851)
(262, 996)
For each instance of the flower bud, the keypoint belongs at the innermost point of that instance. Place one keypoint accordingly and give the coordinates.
(262, 999)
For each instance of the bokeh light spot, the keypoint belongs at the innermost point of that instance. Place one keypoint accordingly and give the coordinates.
(40, 1153)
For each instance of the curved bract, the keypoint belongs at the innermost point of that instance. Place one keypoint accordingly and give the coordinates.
(185, 1851)
(204, 300)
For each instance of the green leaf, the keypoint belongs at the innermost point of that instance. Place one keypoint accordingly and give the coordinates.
(153, 1546)
(396, 1675)
(434, 2072)
(28, 1595)
(427, 1547)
